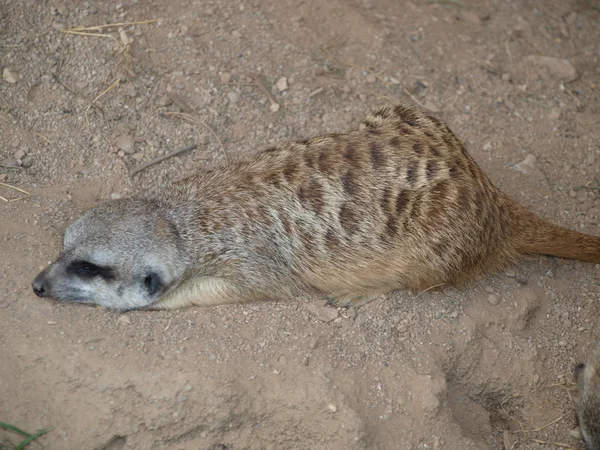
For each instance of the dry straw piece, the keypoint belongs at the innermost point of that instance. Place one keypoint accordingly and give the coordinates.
(14, 188)
(194, 120)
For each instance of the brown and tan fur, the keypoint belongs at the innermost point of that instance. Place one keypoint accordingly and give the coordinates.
(395, 203)
(588, 402)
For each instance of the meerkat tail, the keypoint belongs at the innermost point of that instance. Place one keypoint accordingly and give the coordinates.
(538, 236)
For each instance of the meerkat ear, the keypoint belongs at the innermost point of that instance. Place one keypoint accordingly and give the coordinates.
(165, 229)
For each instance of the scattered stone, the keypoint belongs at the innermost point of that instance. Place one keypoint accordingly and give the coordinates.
(236, 34)
(590, 159)
(468, 16)
(576, 433)
(553, 68)
(52, 322)
(233, 97)
(124, 143)
(493, 299)
(274, 107)
(282, 84)
(312, 344)
(163, 101)
(11, 76)
(509, 440)
(554, 114)
(489, 289)
(332, 407)
(394, 80)
(322, 312)
(115, 196)
(487, 146)
(225, 77)
(26, 162)
(124, 319)
(527, 165)
(506, 77)
(371, 78)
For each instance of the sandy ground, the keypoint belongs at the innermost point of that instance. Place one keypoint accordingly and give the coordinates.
(485, 367)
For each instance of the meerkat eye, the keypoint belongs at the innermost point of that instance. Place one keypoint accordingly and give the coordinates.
(86, 269)
(578, 369)
(153, 283)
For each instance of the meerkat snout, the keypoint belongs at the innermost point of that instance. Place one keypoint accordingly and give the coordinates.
(122, 254)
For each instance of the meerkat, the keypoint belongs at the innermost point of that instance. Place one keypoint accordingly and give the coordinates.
(395, 203)
(588, 403)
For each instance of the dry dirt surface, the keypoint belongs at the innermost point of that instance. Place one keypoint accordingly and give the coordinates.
(484, 367)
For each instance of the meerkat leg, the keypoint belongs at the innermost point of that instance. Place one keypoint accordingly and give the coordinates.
(204, 291)
(354, 300)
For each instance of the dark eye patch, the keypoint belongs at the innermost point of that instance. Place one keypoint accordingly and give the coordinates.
(578, 369)
(153, 283)
(86, 269)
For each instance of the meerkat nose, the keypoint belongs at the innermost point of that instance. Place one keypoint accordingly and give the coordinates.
(39, 285)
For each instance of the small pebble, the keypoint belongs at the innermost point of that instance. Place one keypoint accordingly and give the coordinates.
(225, 77)
(274, 107)
(489, 289)
(322, 312)
(371, 78)
(332, 407)
(493, 299)
(124, 143)
(233, 97)
(510, 273)
(26, 162)
(11, 76)
(164, 100)
(468, 16)
(282, 84)
(576, 433)
(124, 319)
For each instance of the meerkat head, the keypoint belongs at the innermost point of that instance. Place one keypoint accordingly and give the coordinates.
(124, 254)
(588, 404)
